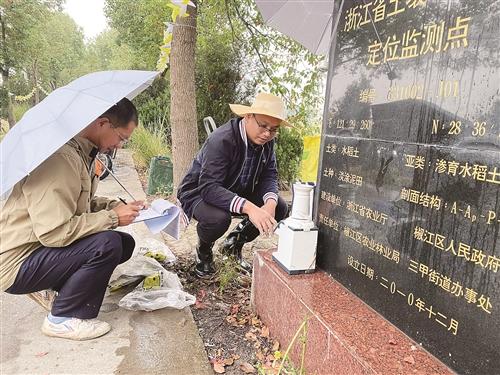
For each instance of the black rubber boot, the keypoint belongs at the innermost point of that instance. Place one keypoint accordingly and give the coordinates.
(204, 267)
(244, 232)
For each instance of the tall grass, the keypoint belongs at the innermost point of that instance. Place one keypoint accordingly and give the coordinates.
(147, 144)
(20, 109)
(4, 128)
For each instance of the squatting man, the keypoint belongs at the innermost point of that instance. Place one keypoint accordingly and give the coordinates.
(235, 173)
(57, 235)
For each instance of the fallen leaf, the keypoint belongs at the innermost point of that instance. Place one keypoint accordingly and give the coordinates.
(41, 354)
(247, 368)
(276, 346)
(250, 336)
(264, 332)
(409, 359)
(229, 361)
(255, 321)
(201, 295)
(200, 305)
(260, 356)
(270, 369)
(235, 309)
(219, 368)
(242, 321)
(270, 358)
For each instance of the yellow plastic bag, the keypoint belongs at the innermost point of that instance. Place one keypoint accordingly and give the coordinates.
(310, 159)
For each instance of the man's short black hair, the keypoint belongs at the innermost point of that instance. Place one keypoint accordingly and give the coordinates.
(122, 113)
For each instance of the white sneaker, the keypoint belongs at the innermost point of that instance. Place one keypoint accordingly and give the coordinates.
(44, 298)
(76, 329)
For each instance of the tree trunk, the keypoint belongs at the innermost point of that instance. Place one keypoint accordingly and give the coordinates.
(5, 75)
(182, 95)
(10, 107)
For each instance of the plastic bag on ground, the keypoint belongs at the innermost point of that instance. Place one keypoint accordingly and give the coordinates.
(133, 271)
(151, 247)
(158, 290)
(157, 250)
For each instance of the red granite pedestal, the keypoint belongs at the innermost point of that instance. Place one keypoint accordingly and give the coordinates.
(344, 335)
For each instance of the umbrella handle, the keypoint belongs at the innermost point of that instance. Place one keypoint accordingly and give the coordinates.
(116, 179)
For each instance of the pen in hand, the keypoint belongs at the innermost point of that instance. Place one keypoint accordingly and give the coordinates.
(122, 200)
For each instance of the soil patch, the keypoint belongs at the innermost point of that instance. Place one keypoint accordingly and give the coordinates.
(235, 339)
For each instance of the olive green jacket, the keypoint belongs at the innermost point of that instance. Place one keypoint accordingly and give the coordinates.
(53, 207)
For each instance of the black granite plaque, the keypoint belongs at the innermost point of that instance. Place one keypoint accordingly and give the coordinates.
(408, 201)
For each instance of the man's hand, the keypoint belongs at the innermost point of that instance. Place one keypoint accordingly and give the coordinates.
(259, 217)
(270, 207)
(143, 205)
(127, 213)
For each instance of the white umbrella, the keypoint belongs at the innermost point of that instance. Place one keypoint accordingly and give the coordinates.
(308, 22)
(60, 116)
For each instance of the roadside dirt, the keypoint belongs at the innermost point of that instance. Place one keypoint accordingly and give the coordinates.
(235, 339)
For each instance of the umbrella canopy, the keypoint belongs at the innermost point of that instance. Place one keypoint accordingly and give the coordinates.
(62, 115)
(308, 22)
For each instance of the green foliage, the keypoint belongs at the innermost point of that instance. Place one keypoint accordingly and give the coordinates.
(219, 66)
(147, 144)
(228, 272)
(4, 128)
(18, 19)
(140, 24)
(289, 148)
(20, 109)
(56, 48)
(154, 107)
(18, 22)
(281, 66)
(106, 52)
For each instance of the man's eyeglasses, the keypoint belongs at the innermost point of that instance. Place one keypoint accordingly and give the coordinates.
(263, 128)
(123, 140)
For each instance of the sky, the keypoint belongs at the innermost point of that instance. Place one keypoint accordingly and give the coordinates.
(88, 14)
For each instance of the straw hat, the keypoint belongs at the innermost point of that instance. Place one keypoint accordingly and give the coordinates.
(264, 104)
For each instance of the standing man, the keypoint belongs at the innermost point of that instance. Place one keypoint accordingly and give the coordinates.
(57, 235)
(235, 173)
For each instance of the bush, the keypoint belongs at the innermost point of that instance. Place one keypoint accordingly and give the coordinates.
(154, 107)
(20, 109)
(289, 148)
(4, 128)
(146, 144)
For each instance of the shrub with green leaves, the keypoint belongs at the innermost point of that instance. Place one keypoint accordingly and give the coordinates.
(20, 109)
(289, 148)
(147, 144)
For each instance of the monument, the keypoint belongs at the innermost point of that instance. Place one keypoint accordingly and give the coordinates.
(408, 197)
(408, 200)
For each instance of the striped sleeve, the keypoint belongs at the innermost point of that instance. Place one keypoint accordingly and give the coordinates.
(270, 195)
(237, 204)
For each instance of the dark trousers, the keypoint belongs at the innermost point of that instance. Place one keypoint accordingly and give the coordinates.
(79, 272)
(213, 222)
